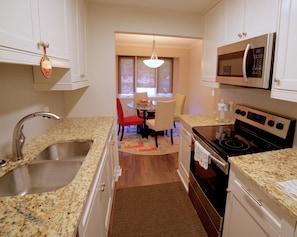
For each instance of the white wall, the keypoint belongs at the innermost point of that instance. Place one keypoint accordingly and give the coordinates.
(103, 21)
(17, 99)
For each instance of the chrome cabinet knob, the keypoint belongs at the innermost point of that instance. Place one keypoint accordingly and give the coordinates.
(276, 80)
(101, 187)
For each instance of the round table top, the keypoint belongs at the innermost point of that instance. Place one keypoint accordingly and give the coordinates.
(150, 107)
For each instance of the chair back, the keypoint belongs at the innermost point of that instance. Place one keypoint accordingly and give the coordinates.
(138, 96)
(180, 102)
(164, 115)
(120, 111)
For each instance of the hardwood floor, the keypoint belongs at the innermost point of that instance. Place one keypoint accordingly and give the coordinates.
(140, 170)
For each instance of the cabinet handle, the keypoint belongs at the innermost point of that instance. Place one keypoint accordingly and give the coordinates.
(276, 80)
(239, 35)
(82, 75)
(43, 44)
(244, 34)
(258, 201)
(101, 187)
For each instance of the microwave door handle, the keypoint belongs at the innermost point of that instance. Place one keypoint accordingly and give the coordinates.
(248, 47)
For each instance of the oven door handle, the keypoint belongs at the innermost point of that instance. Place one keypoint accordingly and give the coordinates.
(214, 159)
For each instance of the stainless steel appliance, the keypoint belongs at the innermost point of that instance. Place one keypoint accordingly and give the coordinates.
(247, 63)
(253, 131)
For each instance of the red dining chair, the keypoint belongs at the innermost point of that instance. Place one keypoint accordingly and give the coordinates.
(126, 120)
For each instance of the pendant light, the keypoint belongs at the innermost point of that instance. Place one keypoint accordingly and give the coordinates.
(153, 62)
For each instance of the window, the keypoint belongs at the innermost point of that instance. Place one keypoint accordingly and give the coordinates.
(134, 76)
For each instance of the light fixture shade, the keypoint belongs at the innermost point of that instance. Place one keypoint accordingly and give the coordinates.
(153, 62)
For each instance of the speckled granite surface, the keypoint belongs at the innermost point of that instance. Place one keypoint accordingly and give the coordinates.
(192, 120)
(266, 169)
(55, 213)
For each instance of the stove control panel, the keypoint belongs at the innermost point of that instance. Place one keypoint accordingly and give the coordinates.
(267, 121)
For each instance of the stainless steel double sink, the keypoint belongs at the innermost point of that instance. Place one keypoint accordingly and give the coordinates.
(53, 168)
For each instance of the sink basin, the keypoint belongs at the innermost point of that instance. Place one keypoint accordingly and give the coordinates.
(38, 177)
(65, 151)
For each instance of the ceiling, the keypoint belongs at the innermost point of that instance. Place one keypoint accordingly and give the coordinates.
(197, 6)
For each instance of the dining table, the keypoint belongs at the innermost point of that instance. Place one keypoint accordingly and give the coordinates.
(146, 108)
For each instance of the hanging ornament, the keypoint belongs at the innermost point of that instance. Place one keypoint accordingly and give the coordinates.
(45, 63)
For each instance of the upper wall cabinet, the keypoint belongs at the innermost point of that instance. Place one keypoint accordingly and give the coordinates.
(214, 30)
(25, 24)
(249, 18)
(75, 77)
(284, 85)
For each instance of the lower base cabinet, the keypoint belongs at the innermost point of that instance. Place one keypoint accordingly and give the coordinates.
(184, 155)
(250, 212)
(96, 217)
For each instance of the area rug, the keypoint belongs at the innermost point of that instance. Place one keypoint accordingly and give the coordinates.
(163, 210)
(133, 143)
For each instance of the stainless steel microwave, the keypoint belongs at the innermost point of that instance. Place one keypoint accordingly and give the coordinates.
(247, 63)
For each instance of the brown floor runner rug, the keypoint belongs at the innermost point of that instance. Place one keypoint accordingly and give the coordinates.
(155, 210)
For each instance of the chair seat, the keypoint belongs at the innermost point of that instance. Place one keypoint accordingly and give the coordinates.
(132, 120)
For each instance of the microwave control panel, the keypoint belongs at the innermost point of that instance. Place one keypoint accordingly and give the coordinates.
(257, 55)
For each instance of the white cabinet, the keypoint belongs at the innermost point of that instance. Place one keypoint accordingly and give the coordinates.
(95, 220)
(249, 18)
(96, 217)
(214, 29)
(25, 24)
(284, 85)
(75, 77)
(184, 155)
(250, 212)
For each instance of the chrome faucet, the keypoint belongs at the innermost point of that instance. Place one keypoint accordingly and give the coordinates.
(19, 137)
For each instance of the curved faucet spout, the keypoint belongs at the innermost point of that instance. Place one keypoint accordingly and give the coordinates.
(19, 137)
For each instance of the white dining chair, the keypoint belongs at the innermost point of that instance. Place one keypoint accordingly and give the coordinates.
(164, 117)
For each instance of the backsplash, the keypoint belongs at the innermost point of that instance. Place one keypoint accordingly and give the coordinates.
(18, 98)
(259, 98)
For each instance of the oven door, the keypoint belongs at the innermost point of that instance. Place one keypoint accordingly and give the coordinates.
(207, 190)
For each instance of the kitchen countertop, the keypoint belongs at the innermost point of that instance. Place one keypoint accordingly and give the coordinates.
(55, 213)
(265, 169)
(193, 120)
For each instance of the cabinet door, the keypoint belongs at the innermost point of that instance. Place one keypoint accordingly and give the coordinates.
(98, 217)
(285, 82)
(250, 18)
(19, 26)
(213, 37)
(264, 12)
(238, 222)
(234, 20)
(53, 26)
(184, 156)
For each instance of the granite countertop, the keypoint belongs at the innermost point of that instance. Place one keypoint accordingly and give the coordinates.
(265, 169)
(56, 213)
(192, 120)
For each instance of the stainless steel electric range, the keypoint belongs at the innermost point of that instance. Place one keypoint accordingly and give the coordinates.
(253, 131)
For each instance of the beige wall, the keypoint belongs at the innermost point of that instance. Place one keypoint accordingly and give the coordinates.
(103, 21)
(17, 99)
